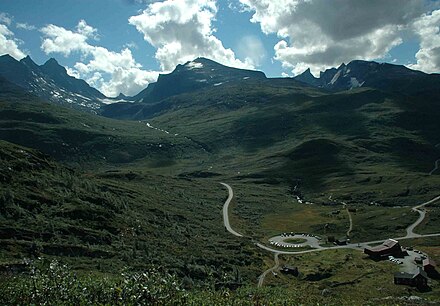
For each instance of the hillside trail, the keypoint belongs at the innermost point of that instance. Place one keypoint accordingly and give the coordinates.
(350, 228)
(422, 214)
(273, 269)
(225, 211)
(436, 166)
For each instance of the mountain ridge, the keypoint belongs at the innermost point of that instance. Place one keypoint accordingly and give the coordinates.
(193, 75)
(51, 82)
(382, 76)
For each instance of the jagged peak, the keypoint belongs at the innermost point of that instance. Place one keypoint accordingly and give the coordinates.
(52, 65)
(28, 60)
(306, 72)
(342, 66)
(51, 61)
(7, 57)
(121, 96)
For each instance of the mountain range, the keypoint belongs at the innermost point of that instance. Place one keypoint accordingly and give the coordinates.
(51, 82)
(108, 186)
(348, 118)
(384, 76)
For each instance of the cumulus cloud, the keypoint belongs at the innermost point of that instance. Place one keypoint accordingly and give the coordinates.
(427, 28)
(132, 2)
(5, 19)
(321, 33)
(181, 31)
(252, 50)
(9, 44)
(73, 72)
(109, 71)
(25, 26)
(60, 40)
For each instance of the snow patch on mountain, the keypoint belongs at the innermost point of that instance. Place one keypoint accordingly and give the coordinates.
(335, 77)
(355, 83)
(193, 65)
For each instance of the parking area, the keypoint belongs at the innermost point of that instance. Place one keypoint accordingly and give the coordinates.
(295, 240)
(412, 260)
(409, 262)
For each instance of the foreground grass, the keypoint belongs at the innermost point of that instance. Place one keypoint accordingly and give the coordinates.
(349, 275)
(100, 222)
(53, 283)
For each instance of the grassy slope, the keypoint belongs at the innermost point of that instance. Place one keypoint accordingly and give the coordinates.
(262, 140)
(81, 138)
(362, 145)
(104, 221)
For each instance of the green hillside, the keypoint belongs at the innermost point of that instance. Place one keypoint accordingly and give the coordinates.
(102, 221)
(81, 138)
(363, 144)
(108, 196)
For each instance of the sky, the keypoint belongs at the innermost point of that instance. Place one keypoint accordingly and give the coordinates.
(120, 46)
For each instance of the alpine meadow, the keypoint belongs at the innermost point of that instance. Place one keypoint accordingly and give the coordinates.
(230, 152)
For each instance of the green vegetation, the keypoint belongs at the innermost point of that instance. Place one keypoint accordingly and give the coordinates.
(430, 224)
(358, 146)
(347, 275)
(101, 222)
(56, 284)
(108, 197)
(375, 222)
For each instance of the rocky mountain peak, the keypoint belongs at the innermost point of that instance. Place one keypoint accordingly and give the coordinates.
(194, 75)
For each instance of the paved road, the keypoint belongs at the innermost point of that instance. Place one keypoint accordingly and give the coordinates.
(436, 166)
(273, 269)
(409, 235)
(350, 219)
(225, 211)
(419, 208)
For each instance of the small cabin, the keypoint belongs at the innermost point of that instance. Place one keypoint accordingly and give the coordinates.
(342, 241)
(390, 247)
(429, 266)
(289, 270)
(418, 279)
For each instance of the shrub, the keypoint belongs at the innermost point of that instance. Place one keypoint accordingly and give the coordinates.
(53, 283)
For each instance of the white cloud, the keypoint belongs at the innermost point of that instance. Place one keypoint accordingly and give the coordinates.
(131, 45)
(9, 44)
(252, 50)
(59, 40)
(111, 72)
(5, 19)
(427, 28)
(73, 72)
(181, 31)
(25, 26)
(84, 29)
(321, 33)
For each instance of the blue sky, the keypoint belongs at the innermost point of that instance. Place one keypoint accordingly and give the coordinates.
(122, 45)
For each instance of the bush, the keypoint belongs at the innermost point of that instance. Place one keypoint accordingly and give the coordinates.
(55, 284)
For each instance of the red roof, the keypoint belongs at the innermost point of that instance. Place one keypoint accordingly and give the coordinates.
(428, 262)
(388, 244)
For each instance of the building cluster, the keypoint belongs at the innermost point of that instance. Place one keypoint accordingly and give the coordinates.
(426, 267)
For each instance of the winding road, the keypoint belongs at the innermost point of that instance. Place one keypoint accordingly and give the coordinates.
(350, 228)
(225, 211)
(410, 229)
(436, 166)
(273, 269)
(409, 235)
